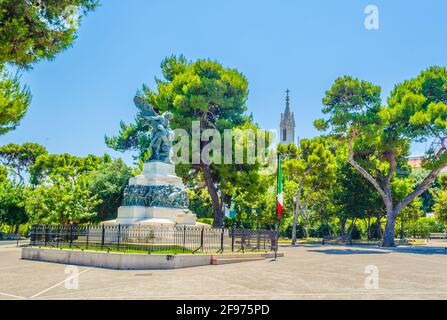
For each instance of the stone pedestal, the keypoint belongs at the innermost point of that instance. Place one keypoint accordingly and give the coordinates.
(155, 174)
(154, 215)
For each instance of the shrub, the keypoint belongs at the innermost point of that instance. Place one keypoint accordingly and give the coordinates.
(300, 232)
(206, 220)
(324, 230)
(355, 233)
(424, 226)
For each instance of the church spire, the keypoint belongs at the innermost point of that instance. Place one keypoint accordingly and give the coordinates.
(287, 124)
(287, 102)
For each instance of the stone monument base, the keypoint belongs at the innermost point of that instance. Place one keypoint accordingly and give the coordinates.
(155, 174)
(154, 215)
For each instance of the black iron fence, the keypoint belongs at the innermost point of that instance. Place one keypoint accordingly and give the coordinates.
(157, 239)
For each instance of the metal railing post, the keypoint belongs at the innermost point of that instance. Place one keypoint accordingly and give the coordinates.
(58, 236)
(222, 240)
(263, 237)
(88, 234)
(103, 231)
(71, 235)
(46, 235)
(202, 237)
(232, 239)
(119, 235)
(184, 238)
(243, 241)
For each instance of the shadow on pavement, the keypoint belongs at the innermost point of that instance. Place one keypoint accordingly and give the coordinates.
(421, 250)
(348, 251)
(411, 250)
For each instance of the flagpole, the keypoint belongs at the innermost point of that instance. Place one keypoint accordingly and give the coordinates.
(277, 191)
(278, 217)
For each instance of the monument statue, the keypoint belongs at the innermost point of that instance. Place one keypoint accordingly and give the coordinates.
(157, 196)
(161, 135)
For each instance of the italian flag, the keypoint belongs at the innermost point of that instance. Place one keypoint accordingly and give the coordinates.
(279, 197)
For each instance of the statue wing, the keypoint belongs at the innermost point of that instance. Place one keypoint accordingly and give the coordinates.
(144, 106)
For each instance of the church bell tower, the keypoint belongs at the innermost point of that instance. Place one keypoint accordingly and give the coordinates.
(287, 124)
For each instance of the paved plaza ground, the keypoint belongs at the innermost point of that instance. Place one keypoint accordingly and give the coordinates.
(306, 272)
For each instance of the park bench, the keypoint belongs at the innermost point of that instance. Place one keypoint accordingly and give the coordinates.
(337, 240)
(10, 237)
(437, 236)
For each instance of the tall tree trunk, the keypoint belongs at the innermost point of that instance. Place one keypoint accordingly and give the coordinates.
(385, 192)
(391, 214)
(306, 221)
(402, 233)
(351, 227)
(388, 237)
(295, 220)
(343, 226)
(212, 190)
(305, 215)
(297, 212)
(379, 227)
(368, 233)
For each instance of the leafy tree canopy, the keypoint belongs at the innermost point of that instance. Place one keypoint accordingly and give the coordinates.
(380, 136)
(12, 204)
(108, 181)
(62, 202)
(18, 159)
(31, 30)
(312, 167)
(64, 166)
(14, 99)
(202, 91)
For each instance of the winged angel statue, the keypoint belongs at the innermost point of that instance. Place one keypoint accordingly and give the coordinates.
(161, 135)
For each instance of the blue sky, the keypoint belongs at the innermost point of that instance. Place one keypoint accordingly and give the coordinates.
(301, 45)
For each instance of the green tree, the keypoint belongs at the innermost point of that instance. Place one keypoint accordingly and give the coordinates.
(427, 198)
(354, 198)
(108, 183)
(12, 205)
(424, 226)
(19, 159)
(202, 91)
(14, 100)
(66, 166)
(440, 196)
(325, 210)
(3, 174)
(31, 30)
(312, 167)
(379, 136)
(440, 207)
(62, 202)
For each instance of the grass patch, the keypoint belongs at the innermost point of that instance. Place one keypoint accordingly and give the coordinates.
(126, 250)
(146, 249)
